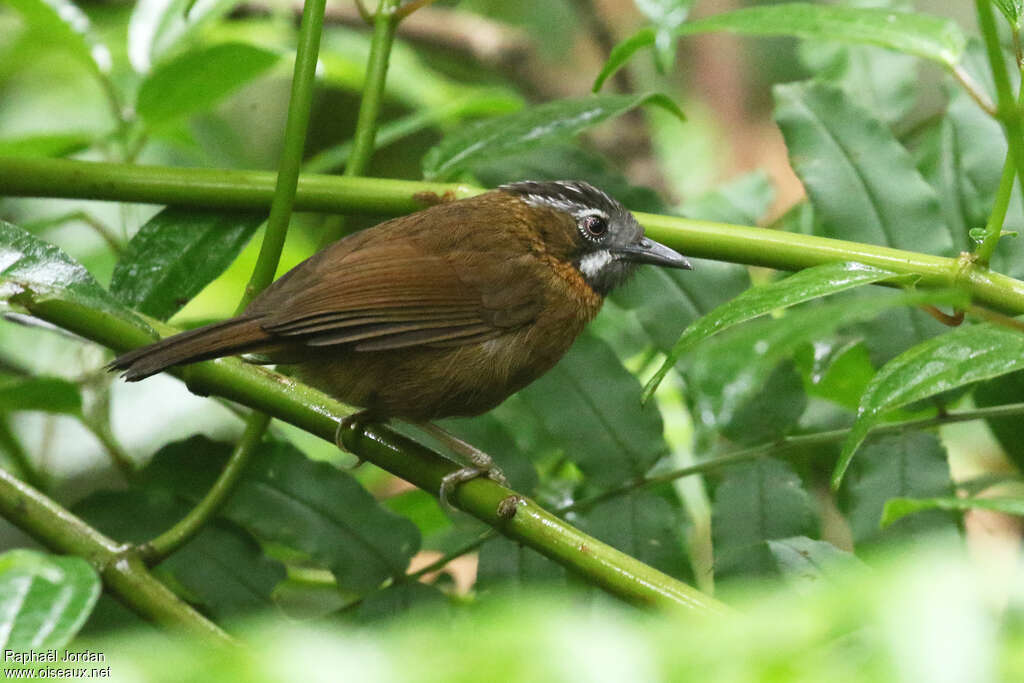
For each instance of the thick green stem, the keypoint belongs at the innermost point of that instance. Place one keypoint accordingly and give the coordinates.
(285, 399)
(254, 189)
(299, 106)
(123, 572)
(172, 539)
(385, 22)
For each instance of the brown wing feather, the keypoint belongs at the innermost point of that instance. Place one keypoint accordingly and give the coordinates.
(387, 288)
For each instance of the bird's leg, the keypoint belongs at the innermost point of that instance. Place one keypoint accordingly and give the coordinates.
(358, 420)
(480, 464)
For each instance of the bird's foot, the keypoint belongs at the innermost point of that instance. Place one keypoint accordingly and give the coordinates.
(480, 464)
(451, 480)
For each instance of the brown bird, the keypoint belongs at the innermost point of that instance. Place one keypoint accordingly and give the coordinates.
(440, 313)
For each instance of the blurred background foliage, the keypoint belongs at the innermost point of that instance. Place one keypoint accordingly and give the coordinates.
(205, 84)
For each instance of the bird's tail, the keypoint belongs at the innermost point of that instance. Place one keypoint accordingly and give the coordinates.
(237, 335)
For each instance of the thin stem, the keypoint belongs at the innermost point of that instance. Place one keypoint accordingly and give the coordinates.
(789, 443)
(299, 107)
(975, 91)
(175, 537)
(385, 21)
(124, 574)
(118, 456)
(994, 226)
(1008, 112)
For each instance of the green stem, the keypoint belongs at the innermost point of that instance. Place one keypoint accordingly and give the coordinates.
(285, 399)
(385, 22)
(791, 442)
(994, 226)
(254, 190)
(1009, 112)
(172, 539)
(299, 106)
(103, 434)
(123, 572)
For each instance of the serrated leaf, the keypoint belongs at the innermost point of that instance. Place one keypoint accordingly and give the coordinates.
(49, 394)
(725, 372)
(310, 506)
(30, 265)
(590, 405)
(222, 567)
(177, 253)
(45, 145)
(63, 23)
(503, 563)
(196, 80)
(395, 600)
(532, 127)
(755, 503)
(157, 26)
(912, 464)
(805, 285)
(44, 599)
(935, 38)
(963, 356)
(897, 508)
(862, 182)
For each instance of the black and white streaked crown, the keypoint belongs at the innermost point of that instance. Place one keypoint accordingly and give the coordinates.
(575, 197)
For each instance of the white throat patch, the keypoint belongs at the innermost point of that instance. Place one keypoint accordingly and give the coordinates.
(594, 262)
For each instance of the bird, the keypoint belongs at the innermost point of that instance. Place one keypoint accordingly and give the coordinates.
(444, 312)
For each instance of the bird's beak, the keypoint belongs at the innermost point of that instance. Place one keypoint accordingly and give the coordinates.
(654, 253)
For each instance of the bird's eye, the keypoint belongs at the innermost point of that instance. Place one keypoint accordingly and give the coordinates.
(594, 227)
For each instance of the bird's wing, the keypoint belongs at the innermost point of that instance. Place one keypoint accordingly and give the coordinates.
(375, 294)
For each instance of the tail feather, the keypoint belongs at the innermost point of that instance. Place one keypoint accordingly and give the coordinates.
(236, 335)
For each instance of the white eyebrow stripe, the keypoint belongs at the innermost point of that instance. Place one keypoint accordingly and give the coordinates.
(590, 212)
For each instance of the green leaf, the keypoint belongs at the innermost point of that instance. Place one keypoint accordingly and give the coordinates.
(196, 80)
(590, 406)
(1009, 431)
(63, 23)
(837, 371)
(221, 568)
(935, 38)
(962, 159)
(533, 127)
(1013, 10)
(398, 599)
(965, 355)
(666, 16)
(724, 373)
(310, 506)
(884, 82)
(504, 563)
(644, 525)
(49, 394)
(912, 464)
(898, 508)
(45, 145)
(157, 26)
(44, 599)
(805, 285)
(806, 562)
(30, 266)
(758, 502)
(177, 253)
(862, 182)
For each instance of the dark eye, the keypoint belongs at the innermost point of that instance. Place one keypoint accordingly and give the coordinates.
(594, 227)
